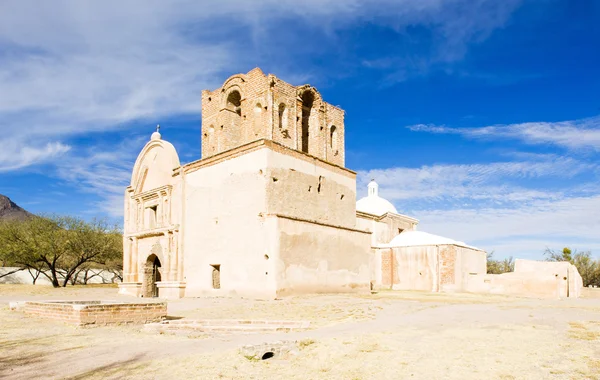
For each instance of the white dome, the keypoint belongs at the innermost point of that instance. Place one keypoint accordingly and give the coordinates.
(416, 238)
(373, 204)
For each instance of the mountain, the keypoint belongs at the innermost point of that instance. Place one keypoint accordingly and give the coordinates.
(10, 211)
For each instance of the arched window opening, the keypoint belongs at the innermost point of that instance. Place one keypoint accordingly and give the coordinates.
(333, 138)
(308, 99)
(257, 119)
(234, 102)
(282, 117)
(211, 137)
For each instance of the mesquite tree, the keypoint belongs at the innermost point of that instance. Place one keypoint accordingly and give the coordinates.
(59, 246)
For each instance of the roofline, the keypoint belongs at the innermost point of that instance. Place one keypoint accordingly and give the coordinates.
(379, 217)
(261, 144)
(388, 245)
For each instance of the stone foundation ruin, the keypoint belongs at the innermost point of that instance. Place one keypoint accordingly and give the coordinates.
(85, 313)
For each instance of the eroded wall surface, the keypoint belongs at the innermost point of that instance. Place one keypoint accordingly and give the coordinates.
(306, 188)
(468, 263)
(317, 258)
(255, 106)
(273, 222)
(429, 268)
(407, 268)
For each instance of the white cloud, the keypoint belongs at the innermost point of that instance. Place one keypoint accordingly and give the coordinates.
(104, 171)
(496, 181)
(521, 231)
(515, 208)
(72, 67)
(574, 134)
(16, 154)
(69, 68)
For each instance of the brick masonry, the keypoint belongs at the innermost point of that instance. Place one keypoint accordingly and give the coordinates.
(447, 264)
(98, 313)
(255, 106)
(387, 258)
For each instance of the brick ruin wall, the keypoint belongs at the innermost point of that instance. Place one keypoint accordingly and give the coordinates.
(270, 109)
(387, 260)
(447, 264)
(97, 313)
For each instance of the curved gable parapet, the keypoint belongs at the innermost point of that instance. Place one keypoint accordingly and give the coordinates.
(154, 166)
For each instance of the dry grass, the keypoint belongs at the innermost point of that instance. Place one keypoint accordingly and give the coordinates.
(442, 298)
(584, 330)
(342, 309)
(418, 335)
(43, 290)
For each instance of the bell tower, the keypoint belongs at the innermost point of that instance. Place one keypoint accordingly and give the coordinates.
(254, 106)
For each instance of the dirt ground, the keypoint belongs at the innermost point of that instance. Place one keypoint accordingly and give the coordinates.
(388, 335)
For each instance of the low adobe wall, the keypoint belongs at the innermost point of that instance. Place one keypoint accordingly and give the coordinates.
(84, 313)
(535, 279)
(517, 284)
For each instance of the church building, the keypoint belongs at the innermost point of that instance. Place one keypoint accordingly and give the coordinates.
(269, 210)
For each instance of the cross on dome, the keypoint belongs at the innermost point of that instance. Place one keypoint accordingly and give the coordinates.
(156, 135)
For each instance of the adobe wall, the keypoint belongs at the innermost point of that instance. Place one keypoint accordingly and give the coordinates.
(429, 268)
(318, 258)
(535, 279)
(408, 268)
(224, 226)
(468, 262)
(566, 273)
(307, 188)
(384, 228)
(515, 284)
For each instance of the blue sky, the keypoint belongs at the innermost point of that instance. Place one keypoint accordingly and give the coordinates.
(479, 117)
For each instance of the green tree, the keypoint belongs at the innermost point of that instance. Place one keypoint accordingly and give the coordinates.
(58, 247)
(499, 266)
(564, 255)
(588, 268)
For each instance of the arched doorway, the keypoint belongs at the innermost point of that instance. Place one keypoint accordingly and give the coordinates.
(151, 276)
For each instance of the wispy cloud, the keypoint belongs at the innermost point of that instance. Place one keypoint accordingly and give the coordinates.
(543, 223)
(574, 134)
(103, 171)
(17, 154)
(507, 206)
(71, 67)
(501, 182)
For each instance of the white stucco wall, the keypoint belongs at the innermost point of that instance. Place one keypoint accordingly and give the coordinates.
(535, 279)
(416, 268)
(223, 226)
